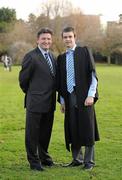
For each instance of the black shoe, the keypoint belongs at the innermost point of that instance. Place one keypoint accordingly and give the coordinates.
(74, 163)
(88, 167)
(36, 167)
(47, 163)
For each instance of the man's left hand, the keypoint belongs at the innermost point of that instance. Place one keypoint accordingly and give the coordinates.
(89, 101)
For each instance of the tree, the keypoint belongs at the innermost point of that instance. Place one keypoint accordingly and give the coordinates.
(7, 18)
(113, 39)
(18, 49)
(21, 32)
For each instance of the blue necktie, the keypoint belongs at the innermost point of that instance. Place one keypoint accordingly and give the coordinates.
(70, 71)
(48, 62)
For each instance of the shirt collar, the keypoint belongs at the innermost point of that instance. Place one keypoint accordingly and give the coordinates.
(42, 50)
(71, 49)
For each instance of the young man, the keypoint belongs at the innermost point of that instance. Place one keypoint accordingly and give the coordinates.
(37, 80)
(77, 86)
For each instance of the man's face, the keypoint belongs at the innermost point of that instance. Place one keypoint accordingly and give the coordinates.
(45, 41)
(69, 39)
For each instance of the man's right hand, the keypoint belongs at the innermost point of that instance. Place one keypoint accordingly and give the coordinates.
(62, 108)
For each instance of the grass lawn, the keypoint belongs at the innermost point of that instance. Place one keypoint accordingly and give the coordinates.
(13, 163)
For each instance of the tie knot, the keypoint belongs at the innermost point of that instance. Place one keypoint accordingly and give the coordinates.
(69, 51)
(46, 55)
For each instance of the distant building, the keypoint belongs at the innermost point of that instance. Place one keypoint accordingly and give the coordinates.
(113, 26)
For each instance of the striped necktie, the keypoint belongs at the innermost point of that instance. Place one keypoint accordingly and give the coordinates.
(70, 71)
(49, 63)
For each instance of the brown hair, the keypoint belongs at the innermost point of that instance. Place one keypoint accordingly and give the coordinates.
(69, 29)
(44, 30)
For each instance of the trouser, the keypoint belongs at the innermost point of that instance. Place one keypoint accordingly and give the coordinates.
(37, 136)
(77, 152)
(87, 157)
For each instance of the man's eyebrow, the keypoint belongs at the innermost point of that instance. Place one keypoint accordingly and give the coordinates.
(67, 36)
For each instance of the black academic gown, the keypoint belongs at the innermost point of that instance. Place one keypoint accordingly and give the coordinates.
(86, 118)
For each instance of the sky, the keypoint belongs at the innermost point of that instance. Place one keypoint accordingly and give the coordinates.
(110, 9)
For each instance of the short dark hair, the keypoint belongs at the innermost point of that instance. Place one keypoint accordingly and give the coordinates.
(44, 30)
(69, 29)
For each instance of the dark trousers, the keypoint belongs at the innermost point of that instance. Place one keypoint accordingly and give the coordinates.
(37, 136)
(77, 152)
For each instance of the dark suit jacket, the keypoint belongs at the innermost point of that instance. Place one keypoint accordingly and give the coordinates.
(37, 82)
(83, 65)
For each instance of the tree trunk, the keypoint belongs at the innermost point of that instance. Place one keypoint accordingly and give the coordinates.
(109, 60)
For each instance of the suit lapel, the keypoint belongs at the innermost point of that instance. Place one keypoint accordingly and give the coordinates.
(40, 55)
(41, 58)
(64, 65)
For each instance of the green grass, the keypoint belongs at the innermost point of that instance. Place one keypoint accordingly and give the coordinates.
(13, 163)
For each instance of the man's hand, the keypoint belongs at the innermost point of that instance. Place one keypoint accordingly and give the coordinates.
(62, 108)
(89, 101)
